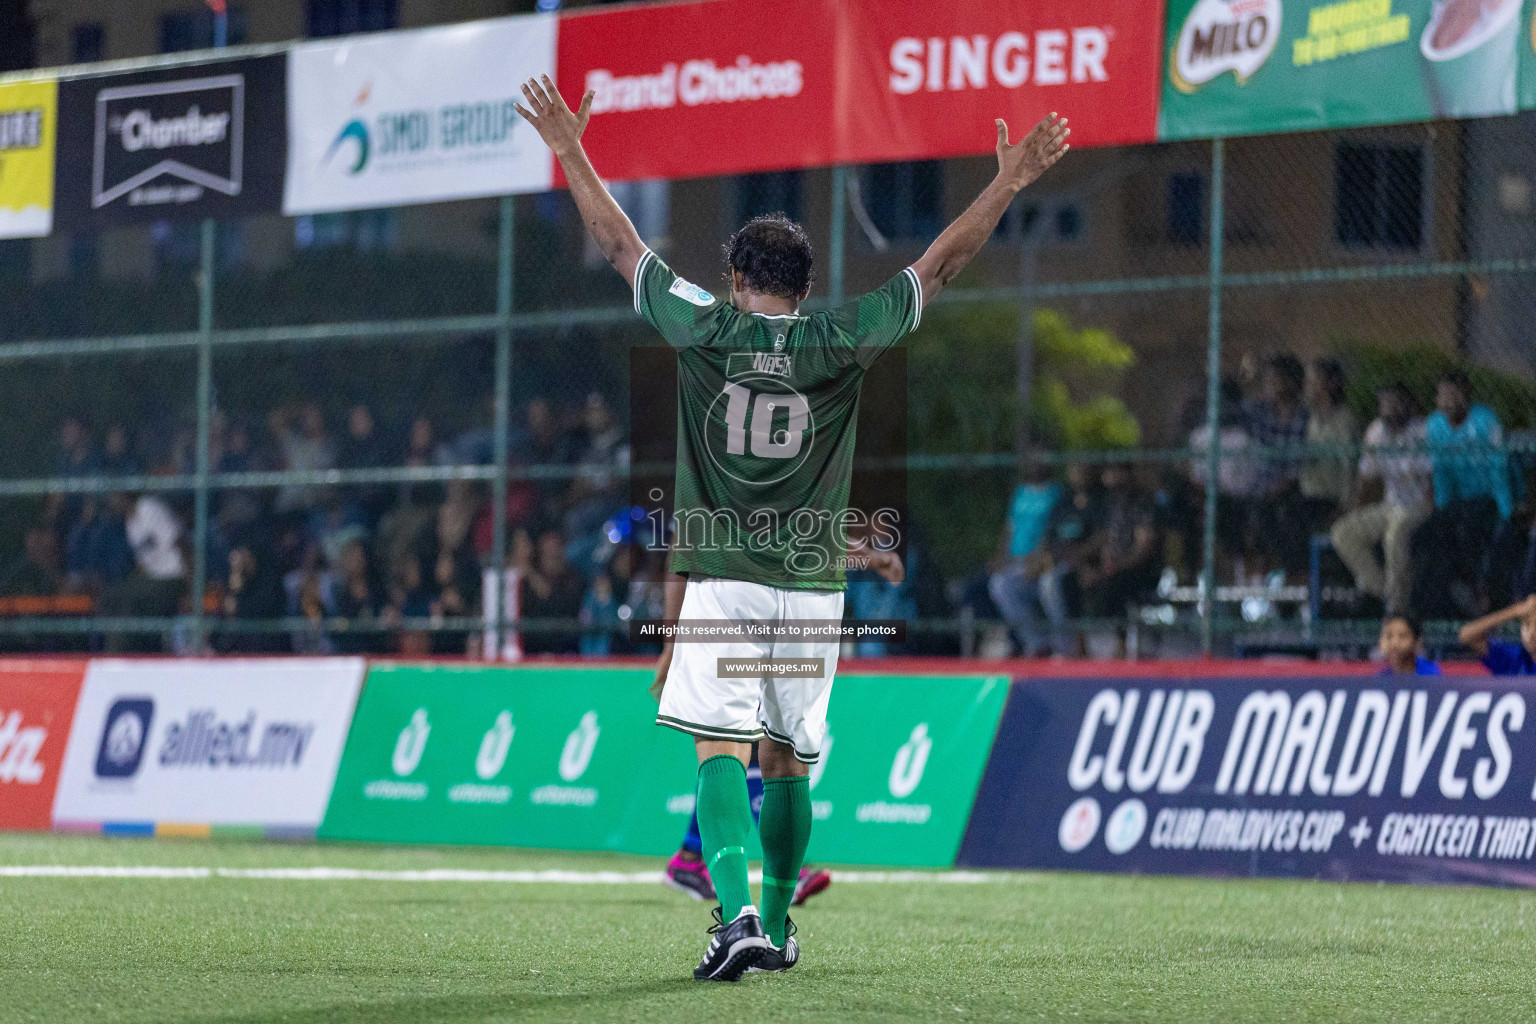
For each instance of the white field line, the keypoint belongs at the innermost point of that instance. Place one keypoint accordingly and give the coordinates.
(556, 877)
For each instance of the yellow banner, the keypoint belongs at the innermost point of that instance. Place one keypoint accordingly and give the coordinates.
(28, 120)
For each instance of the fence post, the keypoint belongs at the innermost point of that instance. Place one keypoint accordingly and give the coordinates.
(503, 411)
(1213, 396)
(836, 244)
(208, 246)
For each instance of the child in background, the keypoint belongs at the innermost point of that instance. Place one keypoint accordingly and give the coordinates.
(1501, 657)
(1399, 644)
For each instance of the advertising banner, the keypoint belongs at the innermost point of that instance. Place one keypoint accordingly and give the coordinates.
(570, 758)
(1244, 67)
(1526, 45)
(922, 80)
(692, 89)
(416, 117)
(202, 743)
(28, 127)
(207, 140)
(1397, 779)
(37, 704)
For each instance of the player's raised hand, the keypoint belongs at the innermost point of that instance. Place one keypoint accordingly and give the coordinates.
(556, 123)
(1022, 163)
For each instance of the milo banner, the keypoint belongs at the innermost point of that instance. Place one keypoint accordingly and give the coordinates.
(1397, 779)
(570, 758)
(1245, 67)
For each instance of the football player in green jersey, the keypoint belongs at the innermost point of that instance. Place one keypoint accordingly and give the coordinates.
(767, 406)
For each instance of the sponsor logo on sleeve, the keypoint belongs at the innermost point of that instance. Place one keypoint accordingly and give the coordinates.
(692, 292)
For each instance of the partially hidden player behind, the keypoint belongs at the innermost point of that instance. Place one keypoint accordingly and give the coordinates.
(1501, 657)
(1399, 642)
(686, 872)
(767, 406)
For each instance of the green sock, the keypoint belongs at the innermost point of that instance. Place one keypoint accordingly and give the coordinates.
(725, 822)
(785, 824)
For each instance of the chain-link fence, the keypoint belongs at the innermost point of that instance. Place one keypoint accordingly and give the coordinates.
(328, 433)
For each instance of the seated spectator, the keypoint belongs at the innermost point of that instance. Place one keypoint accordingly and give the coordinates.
(1027, 578)
(878, 589)
(551, 589)
(600, 622)
(1240, 481)
(255, 591)
(1327, 482)
(38, 572)
(1392, 500)
(155, 589)
(75, 458)
(422, 449)
(544, 443)
(305, 446)
(1400, 643)
(1499, 656)
(1123, 555)
(116, 460)
(410, 597)
(97, 553)
(1472, 497)
(359, 599)
(598, 490)
(362, 448)
(1277, 528)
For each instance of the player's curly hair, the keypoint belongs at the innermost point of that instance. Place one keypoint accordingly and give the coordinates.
(774, 254)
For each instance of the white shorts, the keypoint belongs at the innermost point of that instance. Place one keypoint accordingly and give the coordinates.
(697, 701)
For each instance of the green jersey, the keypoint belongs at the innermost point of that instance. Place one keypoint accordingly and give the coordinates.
(766, 416)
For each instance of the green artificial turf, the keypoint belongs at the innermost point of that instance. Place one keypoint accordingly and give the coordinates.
(1023, 947)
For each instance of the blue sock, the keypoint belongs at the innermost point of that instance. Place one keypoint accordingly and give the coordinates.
(694, 843)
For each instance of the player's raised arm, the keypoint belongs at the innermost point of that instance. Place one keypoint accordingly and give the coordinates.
(1017, 166)
(561, 129)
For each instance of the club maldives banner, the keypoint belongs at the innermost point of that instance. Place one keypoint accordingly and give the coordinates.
(28, 125)
(208, 140)
(1237, 67)
(570, 758)
(37, 704)
(416, 117)
(1401, 779)
(196, 744)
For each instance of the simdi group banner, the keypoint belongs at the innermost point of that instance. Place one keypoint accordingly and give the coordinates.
(570, 758)
(204, 140)
(196, 745)
(28, 127)
(1243, 67)
(415, 117)
(1397, 778)
(37, 704)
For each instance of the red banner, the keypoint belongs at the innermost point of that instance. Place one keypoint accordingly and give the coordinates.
(692, 89)
(37, 705)
(727, 86)
(925, 80)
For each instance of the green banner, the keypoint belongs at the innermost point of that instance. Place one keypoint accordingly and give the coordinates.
(1246, 67)
(570, 758)
(1526, 44)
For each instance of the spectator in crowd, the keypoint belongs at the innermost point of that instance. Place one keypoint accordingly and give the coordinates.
(1123, 562)
(597, 491)
(1472, 497)
(1501, 657)
(1392, 501)
(360, 599)
(255, 591)
(155, 588)
(75, 458)
(878, 589)
(551, 589)
(1239, 482)
(97, 554)
(422, 449)
(1277, 421)
(38, 573)
(542, 442)
(600, 620)
(410, 597)
(304, 446)
(362, 448)
(1400, 644)
(1327, 481)
(116, 460)
(1026, 581)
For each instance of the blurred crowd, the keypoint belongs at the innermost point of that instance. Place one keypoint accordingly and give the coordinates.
(1418, 512)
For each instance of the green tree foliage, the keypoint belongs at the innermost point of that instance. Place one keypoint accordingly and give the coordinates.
(1372, 365)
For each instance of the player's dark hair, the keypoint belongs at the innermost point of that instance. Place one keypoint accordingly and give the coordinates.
(773, 254)
(1457, 379)
(1414, 625)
